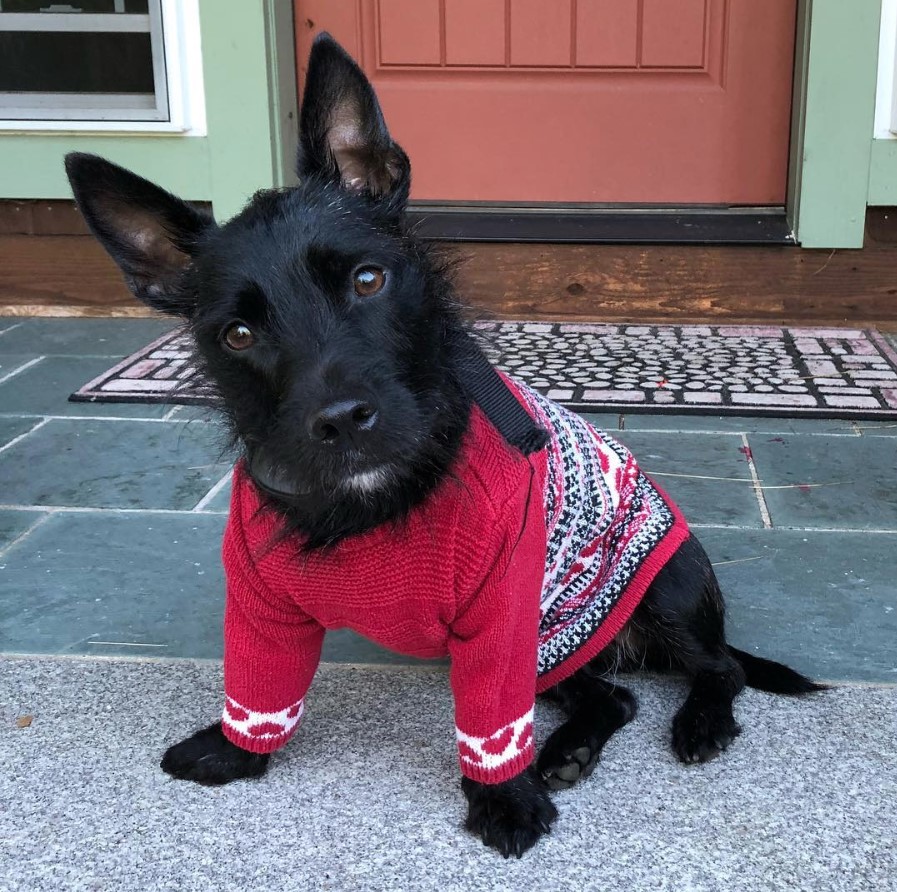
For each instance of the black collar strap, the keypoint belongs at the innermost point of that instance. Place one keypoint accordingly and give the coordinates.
(488, 390)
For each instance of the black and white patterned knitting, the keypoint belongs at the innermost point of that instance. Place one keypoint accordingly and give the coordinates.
(605, 520)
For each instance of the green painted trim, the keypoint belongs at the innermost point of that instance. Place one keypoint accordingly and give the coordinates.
(283, 100)
(883, 172)
(841, 76)
(798, 112)
(242, 44)
(31, 166)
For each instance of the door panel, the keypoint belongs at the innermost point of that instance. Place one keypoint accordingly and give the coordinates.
(570, 101)
(673, 33)
(607, 33)
(483, 45)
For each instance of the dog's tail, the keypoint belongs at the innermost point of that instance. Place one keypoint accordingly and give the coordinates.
(775, 678)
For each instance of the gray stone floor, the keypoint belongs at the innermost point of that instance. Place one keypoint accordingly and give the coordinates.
(366, 797)
(110, 516)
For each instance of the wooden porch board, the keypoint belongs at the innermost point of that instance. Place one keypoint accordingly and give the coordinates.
(683, 285)
(63, 275)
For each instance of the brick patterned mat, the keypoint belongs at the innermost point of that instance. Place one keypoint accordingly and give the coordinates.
(701, 369)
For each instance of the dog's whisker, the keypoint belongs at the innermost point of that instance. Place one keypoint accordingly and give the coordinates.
(759, 557)
(699, 477)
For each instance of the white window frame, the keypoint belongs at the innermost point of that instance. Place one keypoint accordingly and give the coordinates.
(886, 94)
(177, 66)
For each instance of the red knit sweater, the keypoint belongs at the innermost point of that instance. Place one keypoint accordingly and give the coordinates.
(518, 569)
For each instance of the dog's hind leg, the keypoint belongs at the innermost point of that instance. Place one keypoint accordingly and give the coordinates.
(681, 620)
(680, 626)
(596, 709)
(705, 725)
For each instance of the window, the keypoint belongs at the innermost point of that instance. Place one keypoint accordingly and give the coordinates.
(99, 61)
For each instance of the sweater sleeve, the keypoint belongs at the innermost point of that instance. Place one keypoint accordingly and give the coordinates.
(271, 653)
(494, 644)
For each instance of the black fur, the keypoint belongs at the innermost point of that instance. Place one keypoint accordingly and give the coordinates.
(349, 410)
(512, 815)
(210, 759)
(596, 709)
(679, 626)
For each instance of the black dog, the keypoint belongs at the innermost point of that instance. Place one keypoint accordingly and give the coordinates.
(340, 357)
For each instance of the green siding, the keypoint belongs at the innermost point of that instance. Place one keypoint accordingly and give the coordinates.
(31, 166)
(883, 172)
(842, 70)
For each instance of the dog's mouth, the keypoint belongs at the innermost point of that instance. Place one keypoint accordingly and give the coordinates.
(276, 480)
(273, 478)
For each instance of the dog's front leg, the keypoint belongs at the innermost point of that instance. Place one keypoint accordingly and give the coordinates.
(209, 758)
(271, 652)
(509, 816)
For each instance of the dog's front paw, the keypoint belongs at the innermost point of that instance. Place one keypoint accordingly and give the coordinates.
(510, 816)
(209, 758)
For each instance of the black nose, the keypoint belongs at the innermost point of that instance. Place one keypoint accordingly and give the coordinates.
(343, 423)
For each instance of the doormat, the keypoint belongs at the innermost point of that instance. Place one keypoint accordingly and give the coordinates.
(698, 369)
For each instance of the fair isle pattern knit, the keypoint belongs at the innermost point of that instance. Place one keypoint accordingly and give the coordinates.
(268, 729)
(514, 741)
(603, 517)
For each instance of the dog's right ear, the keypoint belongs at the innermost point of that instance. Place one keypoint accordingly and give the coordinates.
(147, 231)
(342, 134)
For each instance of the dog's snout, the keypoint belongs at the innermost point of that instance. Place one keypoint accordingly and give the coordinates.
(344, 423)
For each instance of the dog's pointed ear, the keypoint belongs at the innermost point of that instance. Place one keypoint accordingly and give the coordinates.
(342, 132)
(147, 231)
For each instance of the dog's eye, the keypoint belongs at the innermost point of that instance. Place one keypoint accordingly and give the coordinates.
(368, 280)
(239, 337)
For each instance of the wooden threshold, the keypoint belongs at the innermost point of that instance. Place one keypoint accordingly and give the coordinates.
(65, 275)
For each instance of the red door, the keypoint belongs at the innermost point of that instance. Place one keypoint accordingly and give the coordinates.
(605, 101)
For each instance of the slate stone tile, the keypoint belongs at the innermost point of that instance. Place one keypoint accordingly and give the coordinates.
(829, 481)
(114, 338)
(738, 424)
(14, 523)
(44, 389)
(197, 413)
(149, 585)
(344, 646)
(10, 428)
(134, 579)
(10, 362)
(676, 461)
(822, 602)
(220, 501)
(113, 464)
(877, 428)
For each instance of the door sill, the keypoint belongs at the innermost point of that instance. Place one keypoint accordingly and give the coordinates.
(602, 225)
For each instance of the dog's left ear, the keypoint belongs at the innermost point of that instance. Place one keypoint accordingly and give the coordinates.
(342, 132)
